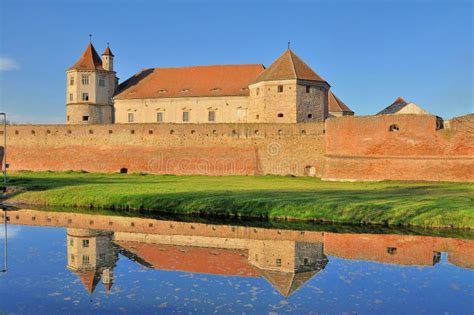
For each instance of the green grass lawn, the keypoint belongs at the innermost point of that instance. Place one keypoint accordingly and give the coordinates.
(395, 203)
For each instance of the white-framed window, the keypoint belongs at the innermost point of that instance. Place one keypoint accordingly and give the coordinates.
(131, 117)
(185, 116)
(85, 96)
(211, 116)
(101, 81)
(71, 97)
(159, 116)
(85, 79)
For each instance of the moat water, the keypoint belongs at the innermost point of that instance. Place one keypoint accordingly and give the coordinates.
(60, 262)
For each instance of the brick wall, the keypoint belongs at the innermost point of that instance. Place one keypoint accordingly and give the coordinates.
(211, 149)
(345, 148)
(364, 148)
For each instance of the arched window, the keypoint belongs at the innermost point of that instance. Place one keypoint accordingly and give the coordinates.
(393, 127)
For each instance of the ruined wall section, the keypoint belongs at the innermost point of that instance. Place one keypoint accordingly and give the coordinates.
(211, 149)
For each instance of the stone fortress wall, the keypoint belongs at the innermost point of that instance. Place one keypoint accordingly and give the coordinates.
(205, 149)
(347, 148)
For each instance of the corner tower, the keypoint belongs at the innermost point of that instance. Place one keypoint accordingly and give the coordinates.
(91, 85)
(288, 91)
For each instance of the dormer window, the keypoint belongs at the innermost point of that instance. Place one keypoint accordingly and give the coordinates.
(162, 91)
(85, 79)
(184, 90)
(215, 90)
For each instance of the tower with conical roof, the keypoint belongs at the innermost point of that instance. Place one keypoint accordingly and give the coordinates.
(91, 255)
(91, 84)
(288, 91)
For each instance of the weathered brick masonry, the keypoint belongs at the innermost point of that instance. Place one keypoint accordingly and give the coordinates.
(364, 148)
(211, 149)
(346, 148)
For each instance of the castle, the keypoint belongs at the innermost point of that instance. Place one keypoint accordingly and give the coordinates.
(237, 120)
(288, 91)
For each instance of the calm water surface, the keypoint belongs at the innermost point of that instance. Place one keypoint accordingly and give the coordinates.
(80, 263)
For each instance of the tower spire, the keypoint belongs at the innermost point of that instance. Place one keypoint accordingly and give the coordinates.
(90, 38)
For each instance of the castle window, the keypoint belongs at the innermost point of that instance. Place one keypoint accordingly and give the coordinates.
(68, 118)
(257, 91)
(85, 80)
(102, 257)
(159, 117)
(130, 117)
(85, 243)
(85, 118)
(211, 116)
(391, 250)
(85, 96)
(310, 116)
(393, 128)
(71, 242)
(73, 258)
(280, 115)
(278, 262)
(71, 97)
(308, 89)
(185, 116)
(101, 81)
(85, 260)
(71, 80)
(306, 261)
(280, 88)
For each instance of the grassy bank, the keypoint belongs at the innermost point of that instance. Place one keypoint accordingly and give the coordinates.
(394, 203)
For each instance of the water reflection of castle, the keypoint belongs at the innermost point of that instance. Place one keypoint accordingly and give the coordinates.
(287, 265)
(285, 258)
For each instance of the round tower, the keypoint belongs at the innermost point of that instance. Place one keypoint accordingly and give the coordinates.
(91, 85)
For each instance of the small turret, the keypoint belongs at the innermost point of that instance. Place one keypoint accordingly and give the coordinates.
(108, 59)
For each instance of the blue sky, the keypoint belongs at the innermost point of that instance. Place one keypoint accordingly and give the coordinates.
(369, 51)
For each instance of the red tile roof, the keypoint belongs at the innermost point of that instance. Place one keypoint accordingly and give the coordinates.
(336, 105)
(288, 66)
(107, 52)
(89, 60)
(218, 80)
(193, 259)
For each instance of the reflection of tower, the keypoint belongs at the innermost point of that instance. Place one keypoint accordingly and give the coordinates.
(91, 255)
(287, 265)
